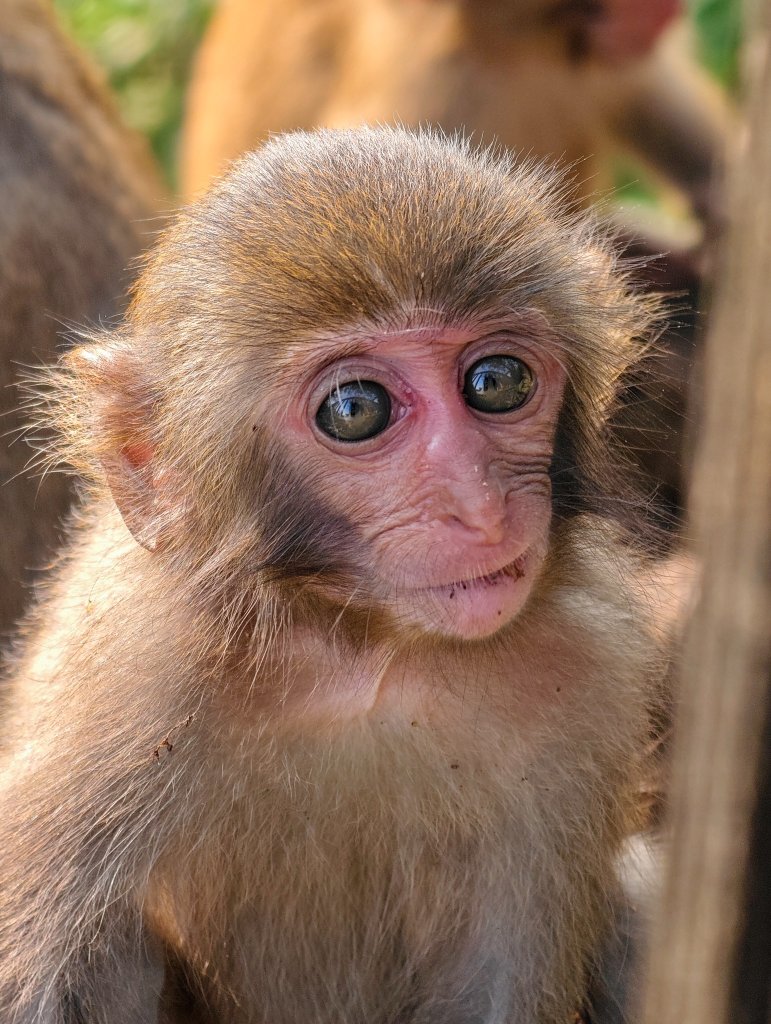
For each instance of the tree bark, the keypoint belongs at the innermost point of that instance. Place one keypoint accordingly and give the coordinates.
(711, 950)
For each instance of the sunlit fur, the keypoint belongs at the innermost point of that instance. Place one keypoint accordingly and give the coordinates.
(218, 758)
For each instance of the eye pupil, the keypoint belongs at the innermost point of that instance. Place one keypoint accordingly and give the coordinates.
(485, 382)
(498, 384)
(355, 411)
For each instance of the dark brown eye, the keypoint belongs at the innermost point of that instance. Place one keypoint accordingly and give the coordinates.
(355, 411)
(498, 384)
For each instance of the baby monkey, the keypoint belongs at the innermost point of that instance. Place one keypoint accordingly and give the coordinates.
(334, 707)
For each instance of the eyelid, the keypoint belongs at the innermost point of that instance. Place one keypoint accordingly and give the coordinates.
(335, 375)
(525, 349)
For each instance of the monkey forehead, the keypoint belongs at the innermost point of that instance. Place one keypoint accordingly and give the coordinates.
(319, 230)
(422, 333)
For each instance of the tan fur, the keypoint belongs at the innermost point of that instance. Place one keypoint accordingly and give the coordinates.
(453, 829)
(223, 767)
(78, 192)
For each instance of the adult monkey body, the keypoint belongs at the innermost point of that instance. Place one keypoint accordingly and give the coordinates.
(77, 189)
(576, 80)
(334, 708)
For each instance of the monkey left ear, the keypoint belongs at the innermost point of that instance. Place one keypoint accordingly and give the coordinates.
(113, 426)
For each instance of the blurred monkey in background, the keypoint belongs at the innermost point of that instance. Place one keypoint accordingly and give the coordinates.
(575, 80)
(76, 192)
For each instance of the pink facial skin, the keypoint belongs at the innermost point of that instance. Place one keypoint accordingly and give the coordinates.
(454, 504)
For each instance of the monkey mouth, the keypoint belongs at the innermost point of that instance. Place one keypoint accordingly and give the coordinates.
(512, 570)
(475, 606)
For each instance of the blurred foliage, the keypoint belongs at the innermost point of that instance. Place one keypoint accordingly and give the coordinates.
(717, 37)
(146, 47)
(718, 33)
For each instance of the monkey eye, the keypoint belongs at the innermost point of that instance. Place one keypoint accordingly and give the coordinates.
(498, 384)
(355, 411)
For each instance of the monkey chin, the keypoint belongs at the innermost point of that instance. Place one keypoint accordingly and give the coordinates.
(474, 608)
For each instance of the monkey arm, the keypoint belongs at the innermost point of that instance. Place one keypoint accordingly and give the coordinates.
(73, 947)
(114, 977)
(122, 986)
(80, 799)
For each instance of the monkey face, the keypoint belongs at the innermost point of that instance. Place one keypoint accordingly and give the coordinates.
(436, 443)
(352, 386)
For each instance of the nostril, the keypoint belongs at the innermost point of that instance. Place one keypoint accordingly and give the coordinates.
(488, 530)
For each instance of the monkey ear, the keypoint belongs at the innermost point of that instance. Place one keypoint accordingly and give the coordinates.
(129, 474)
(113, 423)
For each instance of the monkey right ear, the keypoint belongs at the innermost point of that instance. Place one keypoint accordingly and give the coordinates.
(106, 412)
(129, 474)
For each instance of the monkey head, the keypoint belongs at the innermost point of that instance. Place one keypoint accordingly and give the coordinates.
(371, 366)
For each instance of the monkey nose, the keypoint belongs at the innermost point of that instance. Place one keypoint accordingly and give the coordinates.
(479, 511)
(487, 533)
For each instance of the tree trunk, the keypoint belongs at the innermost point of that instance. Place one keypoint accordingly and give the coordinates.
(711, 950)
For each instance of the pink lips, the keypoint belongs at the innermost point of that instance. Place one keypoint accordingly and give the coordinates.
(474, 607)
(513, 570)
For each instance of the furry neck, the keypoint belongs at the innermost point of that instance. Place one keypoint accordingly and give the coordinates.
(434, 866)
